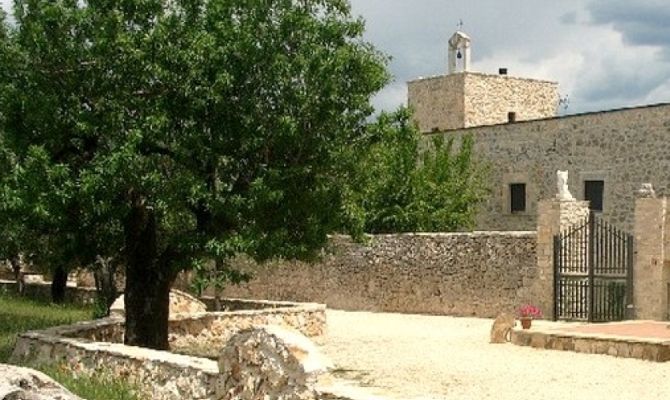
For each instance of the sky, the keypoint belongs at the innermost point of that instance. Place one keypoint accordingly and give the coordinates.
(603, 53)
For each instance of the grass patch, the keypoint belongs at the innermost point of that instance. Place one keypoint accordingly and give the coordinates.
(92, 387)
(18, 315)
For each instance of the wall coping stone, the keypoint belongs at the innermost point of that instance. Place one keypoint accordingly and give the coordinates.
(484, 74)
(444, 234)
(540, 132)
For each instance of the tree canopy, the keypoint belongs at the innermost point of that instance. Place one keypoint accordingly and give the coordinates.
(171, 132)
(403, 182)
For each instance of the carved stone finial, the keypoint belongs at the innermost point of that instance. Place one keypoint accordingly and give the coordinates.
(646, 191)
(562, 184)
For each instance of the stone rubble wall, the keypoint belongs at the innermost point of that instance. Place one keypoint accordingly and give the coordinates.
(94, 347)
(180, 303)
(159, 375)
(463, 274)
(206, 334)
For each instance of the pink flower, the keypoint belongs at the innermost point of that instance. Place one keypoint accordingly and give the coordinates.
(529, 310)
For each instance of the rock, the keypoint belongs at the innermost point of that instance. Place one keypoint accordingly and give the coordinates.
(502, 328)
(17, 383)
(180, 303)
(273, 361)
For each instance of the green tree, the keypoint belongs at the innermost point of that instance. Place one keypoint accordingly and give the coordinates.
(175, 132)
(39, 116)
(406, 183)
(12, 230)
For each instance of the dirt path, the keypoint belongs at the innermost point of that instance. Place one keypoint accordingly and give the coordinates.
(408, 357)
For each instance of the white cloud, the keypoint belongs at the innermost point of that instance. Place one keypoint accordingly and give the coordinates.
(391, 97)
(600, 62)
(604, 53)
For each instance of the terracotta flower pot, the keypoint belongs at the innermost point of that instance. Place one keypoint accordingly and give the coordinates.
(525, 322)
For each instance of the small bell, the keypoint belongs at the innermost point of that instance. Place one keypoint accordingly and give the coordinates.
(459, 55)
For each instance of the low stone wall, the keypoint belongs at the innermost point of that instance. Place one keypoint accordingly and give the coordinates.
(42, 292)
(94, 347)
(159, 374)
(462, 274)
(645, 348)
(206, 334)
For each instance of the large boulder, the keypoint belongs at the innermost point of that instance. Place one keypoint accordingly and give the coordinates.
(271, 361)
(180, 303)
(17, 383)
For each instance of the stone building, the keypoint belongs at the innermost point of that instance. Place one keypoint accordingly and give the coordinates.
(514, 122)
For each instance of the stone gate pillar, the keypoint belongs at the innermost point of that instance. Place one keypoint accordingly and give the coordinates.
(553, 216)
(651, 270)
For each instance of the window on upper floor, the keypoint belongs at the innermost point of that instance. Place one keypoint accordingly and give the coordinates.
(594, 191)
(517, 195)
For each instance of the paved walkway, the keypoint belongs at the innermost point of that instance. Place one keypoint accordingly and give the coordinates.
(635, 329)
(410, 357)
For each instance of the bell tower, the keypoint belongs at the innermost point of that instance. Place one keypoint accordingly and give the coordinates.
(463, 98)
(459, 52)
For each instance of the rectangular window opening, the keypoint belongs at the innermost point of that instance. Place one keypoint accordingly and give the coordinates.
(593, 193)
(517, 195)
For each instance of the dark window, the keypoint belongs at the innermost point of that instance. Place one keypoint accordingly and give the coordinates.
(593, 192)
(517, 195)
(511, 116)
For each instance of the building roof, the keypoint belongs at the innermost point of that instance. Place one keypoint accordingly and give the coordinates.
(482, 74)
(560, 117)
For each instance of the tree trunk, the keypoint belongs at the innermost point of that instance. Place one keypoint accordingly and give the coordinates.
(58, 284)
(148, 282)
(105, 282)
(18, 276)
(217, 298)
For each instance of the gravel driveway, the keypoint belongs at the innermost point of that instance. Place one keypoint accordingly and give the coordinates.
(408, 357)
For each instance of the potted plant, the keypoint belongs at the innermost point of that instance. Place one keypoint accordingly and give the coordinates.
(527, 313)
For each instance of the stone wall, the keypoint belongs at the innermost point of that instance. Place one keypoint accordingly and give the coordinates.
(651, 274)
(472, 99)
(438, 102)
(623, 148)
(207, 333)
(158, 374)
(489, 98)
(95, 347)
(191, 332)
(464, 274)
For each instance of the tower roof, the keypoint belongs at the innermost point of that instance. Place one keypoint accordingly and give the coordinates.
(459, 39)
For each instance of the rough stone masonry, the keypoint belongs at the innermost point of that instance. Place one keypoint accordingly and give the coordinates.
(480, 273)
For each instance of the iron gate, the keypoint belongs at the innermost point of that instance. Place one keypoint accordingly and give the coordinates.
(593, 267)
